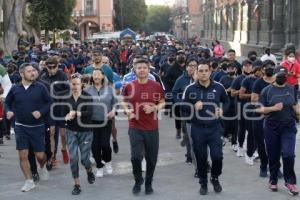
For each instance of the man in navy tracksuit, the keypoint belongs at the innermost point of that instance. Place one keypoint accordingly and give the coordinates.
(29, 101)
(206, 101)
(181, 83)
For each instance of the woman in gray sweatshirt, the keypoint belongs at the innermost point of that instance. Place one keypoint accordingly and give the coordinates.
(104, 100)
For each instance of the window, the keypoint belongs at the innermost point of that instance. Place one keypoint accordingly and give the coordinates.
(89, 4)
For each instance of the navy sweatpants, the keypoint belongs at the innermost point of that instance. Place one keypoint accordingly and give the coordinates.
(280, 140)
(203, 137)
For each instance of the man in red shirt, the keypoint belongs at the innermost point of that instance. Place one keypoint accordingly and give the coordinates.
(143, 99)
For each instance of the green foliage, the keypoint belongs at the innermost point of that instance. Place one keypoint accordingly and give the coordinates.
(50, 15)
(66, 35)
(130, 14)
(158, 19)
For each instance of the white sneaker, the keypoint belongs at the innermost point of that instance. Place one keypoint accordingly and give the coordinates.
(249, 160)
(29, 185)
(234, 147)
(255, 155)
(44, 174)
(240, 152)
(99, 173)
(12, 131)
(108, 168)
(144, 165)
(92, 160)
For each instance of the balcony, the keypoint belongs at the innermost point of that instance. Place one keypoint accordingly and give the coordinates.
(89, 13)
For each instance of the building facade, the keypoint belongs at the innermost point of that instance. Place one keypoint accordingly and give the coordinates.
(92, 16)
(246, 24)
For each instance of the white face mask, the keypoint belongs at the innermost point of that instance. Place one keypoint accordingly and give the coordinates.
(291, 59)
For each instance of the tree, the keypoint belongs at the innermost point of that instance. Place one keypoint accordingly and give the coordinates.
(130, 14)
(12, 23)
(32, 16)
(158, 19)
(51, 15)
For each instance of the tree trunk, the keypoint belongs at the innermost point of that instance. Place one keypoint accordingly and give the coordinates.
(31, 30)
(13, 21)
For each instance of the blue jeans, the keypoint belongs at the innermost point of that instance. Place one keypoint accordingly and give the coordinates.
(83, 141)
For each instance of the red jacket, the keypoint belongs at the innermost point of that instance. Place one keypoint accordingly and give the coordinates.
(294, 69)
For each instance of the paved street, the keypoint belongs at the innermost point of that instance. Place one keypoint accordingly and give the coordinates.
(173, 178)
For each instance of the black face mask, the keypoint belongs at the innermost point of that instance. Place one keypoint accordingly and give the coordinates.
(281, 79)
(10, 70)
(253, 58)
(269, 71)
(231, 73)
(15, 57)
(75, 55)
(224, 66)
(181, 60)
(247, 74)
(171, 59)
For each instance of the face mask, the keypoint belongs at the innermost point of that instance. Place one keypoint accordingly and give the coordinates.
(253, 58)
(291, 59)
(10, 70)
(269, 71)
(171, 60)
(281, 79)
(224, 66)
(231, 73)
(15, 57)
(181, 60)
(247, 74)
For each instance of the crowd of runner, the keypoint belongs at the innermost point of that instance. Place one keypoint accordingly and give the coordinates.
(74, 94)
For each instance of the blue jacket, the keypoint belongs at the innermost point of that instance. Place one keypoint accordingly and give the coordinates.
(24, 102)
(181, 83)
(212, 97)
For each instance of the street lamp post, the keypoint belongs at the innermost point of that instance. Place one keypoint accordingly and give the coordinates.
(77, 17)
(185, 23)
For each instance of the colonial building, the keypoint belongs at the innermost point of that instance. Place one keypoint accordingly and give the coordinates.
(92, 16)
(248, 24)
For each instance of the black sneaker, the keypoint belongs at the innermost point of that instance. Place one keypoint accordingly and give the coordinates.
(76, 190)
(35, 177)
(196, 174)
(148, 189)
(263, 173)
(90, 177)
(189, 161)
(137, 186)
(178, 135)
(49, 165)
(1, 141)
(115, 146)
(183, 142)
(7, 137)
(203, 189)
(217, 186)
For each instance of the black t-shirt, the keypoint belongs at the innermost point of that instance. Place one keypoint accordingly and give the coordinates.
(272, 95)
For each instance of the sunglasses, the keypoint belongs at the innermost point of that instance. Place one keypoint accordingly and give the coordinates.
(76, 75)
(51, 66)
